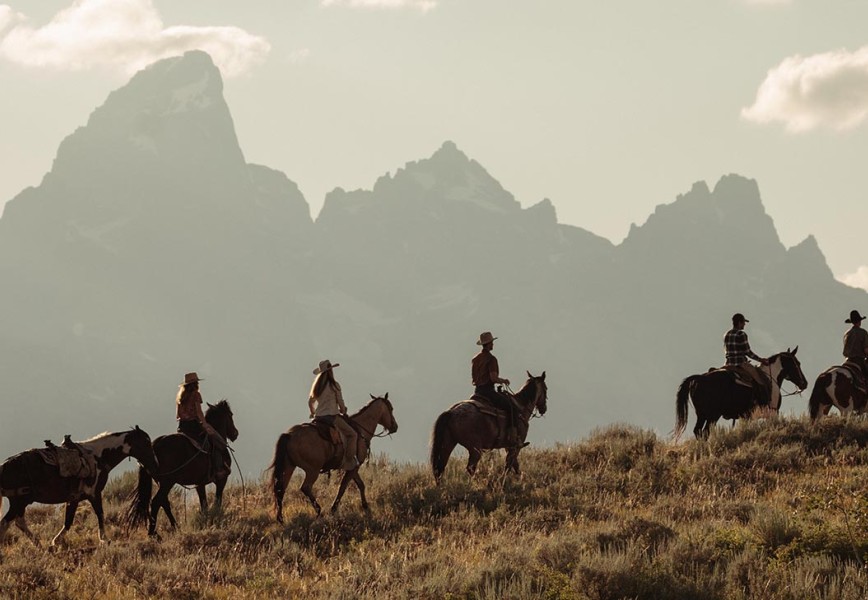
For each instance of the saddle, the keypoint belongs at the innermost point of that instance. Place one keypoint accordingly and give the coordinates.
(327, 431)
(857, 375)
(197, 444)
(70, 462)
(737, 375)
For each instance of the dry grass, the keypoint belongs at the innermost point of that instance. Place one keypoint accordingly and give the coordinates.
(770, 510)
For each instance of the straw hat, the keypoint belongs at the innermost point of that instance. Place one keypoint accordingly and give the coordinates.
(485, 338)
(191, 378)
(325, 365)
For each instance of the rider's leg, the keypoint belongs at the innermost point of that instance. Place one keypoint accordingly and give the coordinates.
(350, 444)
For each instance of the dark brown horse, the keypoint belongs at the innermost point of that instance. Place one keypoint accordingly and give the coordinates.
(303, 447)
(27, 478)
(182, 463)
(467, 425)
(716, 394)
(836, 387)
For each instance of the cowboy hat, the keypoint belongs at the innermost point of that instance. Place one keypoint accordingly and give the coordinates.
(325, 365)
(485, 338)
(855, 317)
(191, 378)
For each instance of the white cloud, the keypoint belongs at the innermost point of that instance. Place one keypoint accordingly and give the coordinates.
(125, 34)
(823, 90)
(859, 279)
(422, 5)
(299, 56)
(8, 17)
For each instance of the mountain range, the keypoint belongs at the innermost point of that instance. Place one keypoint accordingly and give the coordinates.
(152, 248)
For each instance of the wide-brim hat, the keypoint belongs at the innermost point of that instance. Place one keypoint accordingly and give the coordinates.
(191, 378)
(485, 338)
(855, 317)
(325, 365)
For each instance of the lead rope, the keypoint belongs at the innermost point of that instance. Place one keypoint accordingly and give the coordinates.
(241, 475)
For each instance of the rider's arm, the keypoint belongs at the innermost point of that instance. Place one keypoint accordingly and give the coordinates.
(310, 405)
(494, 372)
(339, 396)
(751, 354)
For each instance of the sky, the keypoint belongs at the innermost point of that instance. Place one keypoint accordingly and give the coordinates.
(606, 108)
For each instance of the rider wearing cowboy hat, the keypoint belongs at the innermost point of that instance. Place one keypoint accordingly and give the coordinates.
(326, 403)
(485, 372)
(738, 351)
(192, 423)
(856, 342)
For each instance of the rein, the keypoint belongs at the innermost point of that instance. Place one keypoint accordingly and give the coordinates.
(534, 414)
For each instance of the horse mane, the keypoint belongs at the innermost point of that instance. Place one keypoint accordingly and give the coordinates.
(368, 405)
(100, 436)
(223, 405)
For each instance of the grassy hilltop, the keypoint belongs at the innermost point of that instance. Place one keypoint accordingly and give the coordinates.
(770, 509)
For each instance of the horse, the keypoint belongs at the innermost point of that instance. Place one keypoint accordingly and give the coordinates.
(181, 463)
(836, 387)
(716, 394)
(465, 424)
(27, 478)
(303, 447)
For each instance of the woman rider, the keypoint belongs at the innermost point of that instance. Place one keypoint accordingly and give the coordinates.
(326, 403)
(191, 422)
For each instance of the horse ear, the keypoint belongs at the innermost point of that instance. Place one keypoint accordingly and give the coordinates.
(386, 396)
(529, 376)
(372, 397)
(209, 405)
(796, 349)
(543, 376)
(137, 428)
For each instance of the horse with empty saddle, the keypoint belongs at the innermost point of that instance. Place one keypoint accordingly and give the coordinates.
(69, 474)
(478, 425)
(725, 393)
(316, 449)
(183, 460)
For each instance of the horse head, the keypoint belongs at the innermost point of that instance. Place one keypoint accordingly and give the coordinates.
(792, 368)
(220, 417)
(140, 448)
(387, 416)
(540, 391)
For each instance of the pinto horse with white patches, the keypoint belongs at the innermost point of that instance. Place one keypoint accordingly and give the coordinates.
(27, 478)
(837, 386)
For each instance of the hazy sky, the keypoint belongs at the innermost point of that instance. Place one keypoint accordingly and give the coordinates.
(608, 108)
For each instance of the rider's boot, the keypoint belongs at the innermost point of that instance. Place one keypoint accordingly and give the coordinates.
(350, 461)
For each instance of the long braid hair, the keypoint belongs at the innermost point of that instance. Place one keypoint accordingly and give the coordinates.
(322, 380)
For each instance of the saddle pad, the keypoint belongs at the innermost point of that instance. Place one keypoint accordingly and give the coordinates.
(484, 406)
(70, 463)
(737, 376)
(327, 431)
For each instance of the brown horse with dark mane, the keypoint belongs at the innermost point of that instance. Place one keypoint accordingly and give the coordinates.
(717, 394)
(480, 428)
(37, 476)
(184, 463)
(304, 447)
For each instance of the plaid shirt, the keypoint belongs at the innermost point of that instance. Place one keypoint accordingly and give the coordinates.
(737, 348)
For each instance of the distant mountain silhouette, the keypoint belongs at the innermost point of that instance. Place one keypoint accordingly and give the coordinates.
(152, 248)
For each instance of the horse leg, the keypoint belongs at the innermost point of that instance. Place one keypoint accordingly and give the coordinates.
(512, 461)
(22, 525)
(345, 480)
(160, 500)
(280, 482)
(697, 429)
(361, 485)
(68, 518)
(16, 509)
(96, 504)
(203, 498)
(472, 460)
(307, 489)
(219, 486)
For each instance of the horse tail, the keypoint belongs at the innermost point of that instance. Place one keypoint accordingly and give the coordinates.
(140, 500)
(681, 398)
(280, 463)
(818, 394)
(438, 456)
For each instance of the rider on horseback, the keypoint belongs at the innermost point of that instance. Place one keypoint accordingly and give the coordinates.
(856, 342)
(326, 403)
(191, 422)
(738, 351)
(485, 373)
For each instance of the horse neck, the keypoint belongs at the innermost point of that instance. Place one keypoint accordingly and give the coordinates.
(108, 449)
(526, 397)
(369, 417)
(776, 373)
(220, 428)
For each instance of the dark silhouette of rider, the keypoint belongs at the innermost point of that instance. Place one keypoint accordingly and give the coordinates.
(856, 342)
(737, 349)
(485, 372)
(191, 422)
